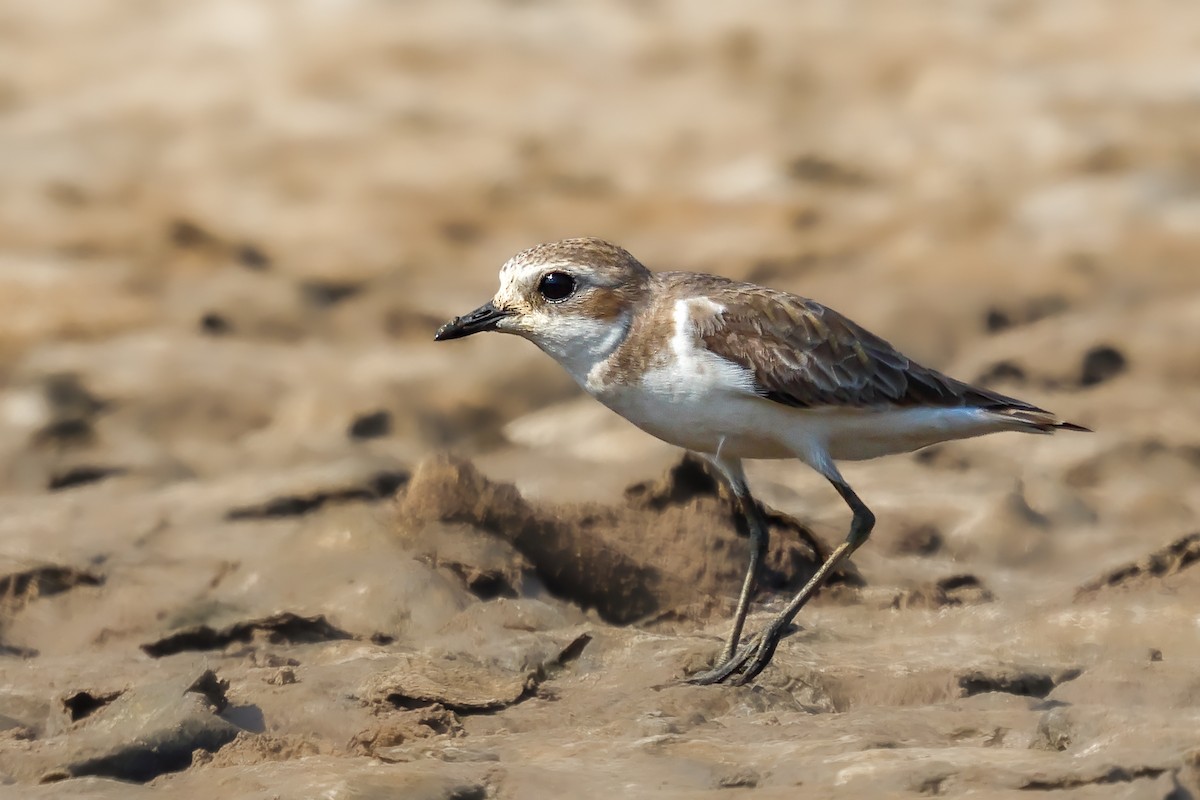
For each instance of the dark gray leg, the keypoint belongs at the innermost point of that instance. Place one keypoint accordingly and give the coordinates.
(757, 652)
(731, 470)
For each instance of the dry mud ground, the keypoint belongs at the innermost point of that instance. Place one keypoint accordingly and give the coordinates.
(237, 558)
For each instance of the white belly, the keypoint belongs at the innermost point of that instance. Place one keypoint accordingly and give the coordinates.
(737, 425)
(747, 426)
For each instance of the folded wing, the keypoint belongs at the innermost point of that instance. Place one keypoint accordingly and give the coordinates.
(805, 355)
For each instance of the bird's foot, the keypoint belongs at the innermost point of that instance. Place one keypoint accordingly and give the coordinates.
(744, 665)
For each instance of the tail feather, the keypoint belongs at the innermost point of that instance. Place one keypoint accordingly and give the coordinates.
(1035, 420)
(1020, 415)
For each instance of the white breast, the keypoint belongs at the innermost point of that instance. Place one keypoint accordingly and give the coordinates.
(695, 399)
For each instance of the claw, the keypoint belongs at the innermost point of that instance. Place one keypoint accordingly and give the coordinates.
(751, 658)
(721, 672)
(762, 656)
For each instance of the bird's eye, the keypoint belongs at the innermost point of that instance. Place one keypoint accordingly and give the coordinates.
(556, 286)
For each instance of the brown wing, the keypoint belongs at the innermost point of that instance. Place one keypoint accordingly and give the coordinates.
(803, 354)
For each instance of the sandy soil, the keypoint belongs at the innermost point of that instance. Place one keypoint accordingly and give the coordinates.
(260, 537)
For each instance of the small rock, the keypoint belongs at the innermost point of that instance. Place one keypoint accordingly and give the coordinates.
(65, 433)
(251, 257)
(1034, 309)
(187, 234)
(371, 425)
(996, 320)
(213, 324)
(923, 540)
(1054, 731)
(325, 294)
(284, 676)
(743, 778)
(1014, 680)
(68, 398)
(1100, 364)
(1002, 372)
(955, 590)
(82, 475)
(260, 659)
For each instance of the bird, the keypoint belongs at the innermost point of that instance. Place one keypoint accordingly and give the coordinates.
(733, 371)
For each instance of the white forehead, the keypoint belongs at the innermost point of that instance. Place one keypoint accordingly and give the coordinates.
(520, 275)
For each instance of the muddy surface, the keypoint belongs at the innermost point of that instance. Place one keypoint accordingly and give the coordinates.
(260, 536)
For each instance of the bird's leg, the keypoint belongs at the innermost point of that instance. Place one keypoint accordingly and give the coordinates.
(757, 652)
(756, 525)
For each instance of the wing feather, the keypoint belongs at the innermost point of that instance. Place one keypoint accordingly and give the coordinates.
(805, 355)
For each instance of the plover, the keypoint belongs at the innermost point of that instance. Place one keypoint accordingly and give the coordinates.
(734, 371)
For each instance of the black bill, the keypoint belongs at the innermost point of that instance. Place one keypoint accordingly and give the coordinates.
(481, 319)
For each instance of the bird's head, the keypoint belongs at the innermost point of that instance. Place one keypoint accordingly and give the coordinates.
(572, 298)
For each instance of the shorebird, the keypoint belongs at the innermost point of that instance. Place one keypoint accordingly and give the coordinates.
(735, 371)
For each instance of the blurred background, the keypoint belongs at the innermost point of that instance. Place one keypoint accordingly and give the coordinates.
(262, 209)
(229, 228)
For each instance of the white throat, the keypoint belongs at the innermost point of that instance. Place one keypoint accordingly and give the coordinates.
(580, 344)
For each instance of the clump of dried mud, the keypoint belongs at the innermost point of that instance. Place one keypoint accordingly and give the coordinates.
(673, 544)
(233, 552)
